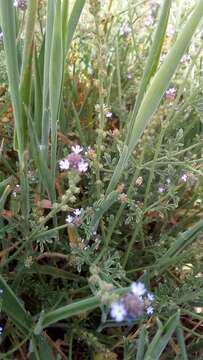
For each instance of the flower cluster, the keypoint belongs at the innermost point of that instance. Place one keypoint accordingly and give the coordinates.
(74, 161)
(20, 4)
(74, 219)
(132, 305)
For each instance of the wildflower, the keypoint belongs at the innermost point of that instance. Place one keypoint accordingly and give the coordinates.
(185, 59)
(64, 164)
(184, 177)
(138, 288)
(1, 330)
(118, 311)
(1, 35)
(161, 189)
(149, 20)
(150, 310)
(69, 219)
(77, 212)
(1, 291)
(82, 166)
(170, 93)
(134, 306)
(77, 149)
(20, 4)
(150, 297)
(109, 114)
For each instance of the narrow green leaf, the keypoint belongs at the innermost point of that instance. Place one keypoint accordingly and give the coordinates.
(12, 306)
(73, 21)
(162, 338)
(154, 55)
(143, 338)
(73, 309)
(181, 342)
(55, 80)
(26, 69)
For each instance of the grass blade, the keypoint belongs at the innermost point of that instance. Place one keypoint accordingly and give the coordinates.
(162, 338)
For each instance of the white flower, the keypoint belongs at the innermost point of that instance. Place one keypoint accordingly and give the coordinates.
(64, 164)
(150, 310)
(118, 311)
(77, 149)
(150, 297)
(77, 212)
(184, 177)
(69, 219)
(82, 166)
(138, 288)
(109, 114)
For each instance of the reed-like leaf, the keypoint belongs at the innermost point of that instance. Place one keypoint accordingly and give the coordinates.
(55, 80)
(12, 306)
(162, 338)
(153, 58)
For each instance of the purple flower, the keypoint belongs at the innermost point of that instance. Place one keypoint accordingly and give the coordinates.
(74, 160)
(1, 330)
(138, 288)
(77, 149)
(1, 36)
(20, 4)
(161, 189)
(118, 311)
(64, 164)
(184, 177)
(150, 310)
(82, 166)
(170, 93)
(150, 297)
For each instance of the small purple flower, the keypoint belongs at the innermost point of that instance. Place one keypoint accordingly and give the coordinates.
(69, 219)
(161, 189)
(64, 164)
(1, 36)
(118, 311)
(82, 166)
(150, 297)
(170, 93)
(20, 4)
(149, 20)
(77, 149)
(184, 177)
(77, 212)
(185, 59)
(150, 310)
(1, 330)
(138, 288)
(125, 30)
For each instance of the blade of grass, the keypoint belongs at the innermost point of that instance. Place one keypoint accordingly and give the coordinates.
(14, 308)
(162, 338)
(153, 58)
